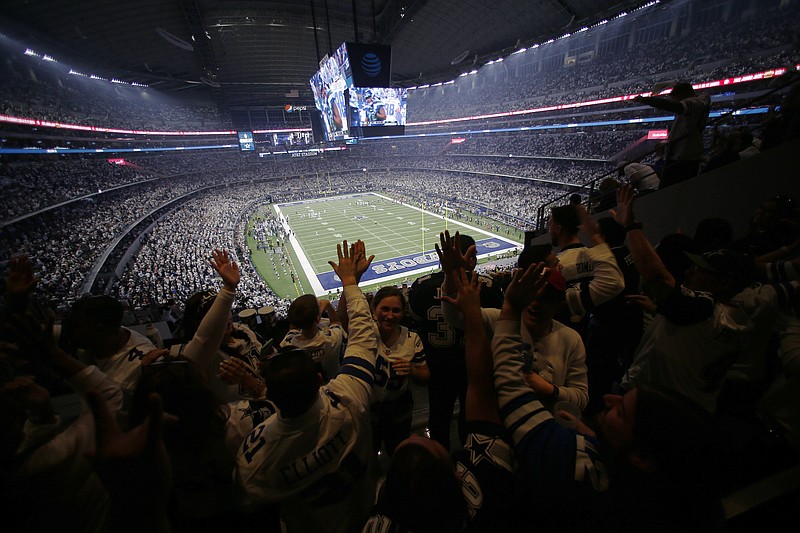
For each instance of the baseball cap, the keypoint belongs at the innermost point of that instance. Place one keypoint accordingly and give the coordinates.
(637, 171)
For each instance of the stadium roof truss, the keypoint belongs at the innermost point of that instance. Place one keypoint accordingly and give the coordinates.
(256, 52)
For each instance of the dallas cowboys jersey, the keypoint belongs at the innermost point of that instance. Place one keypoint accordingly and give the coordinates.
(324, 348)
(486, 468)
(125, 366)
(388, 385)
(549, 455)
(318, 465)
(438, 336)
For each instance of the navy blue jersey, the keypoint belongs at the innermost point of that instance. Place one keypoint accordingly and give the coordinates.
(440, 338)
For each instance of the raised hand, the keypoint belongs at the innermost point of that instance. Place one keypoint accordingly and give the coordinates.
(449, 253)
(21, 279)
(227, 269)
(468, 299)
(347, 267)
(589, 225)
(623, 214)
(362, 261)
(524, 287)
(234, 371)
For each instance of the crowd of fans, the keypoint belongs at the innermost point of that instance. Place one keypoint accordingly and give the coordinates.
(743, 43)
(62, 98)
(680, 359)
(648, 451)
(177, 245)
(34, 185)
(87, 227)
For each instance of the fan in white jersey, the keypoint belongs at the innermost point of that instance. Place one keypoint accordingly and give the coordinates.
(94, 328)
(322, 343)
(401, 358)
(312, 463)
(203, 442)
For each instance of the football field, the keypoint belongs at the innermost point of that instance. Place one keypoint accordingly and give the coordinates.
(401, 236)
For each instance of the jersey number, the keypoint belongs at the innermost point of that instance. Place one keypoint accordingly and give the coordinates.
(385, 376)
(444, 336)
(252, 443)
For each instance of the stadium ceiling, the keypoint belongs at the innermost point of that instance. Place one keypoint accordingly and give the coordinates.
(262, 52)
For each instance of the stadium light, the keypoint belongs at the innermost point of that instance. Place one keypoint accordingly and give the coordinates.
(519, 51)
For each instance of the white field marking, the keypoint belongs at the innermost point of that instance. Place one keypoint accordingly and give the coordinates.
(301, 256)
(312, 276)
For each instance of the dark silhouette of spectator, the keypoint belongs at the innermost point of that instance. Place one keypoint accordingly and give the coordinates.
(684, 148)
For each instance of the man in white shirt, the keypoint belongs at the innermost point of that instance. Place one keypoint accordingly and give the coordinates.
(94, 327)
(312, 461)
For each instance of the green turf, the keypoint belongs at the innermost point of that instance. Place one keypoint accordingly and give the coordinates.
(389, 230)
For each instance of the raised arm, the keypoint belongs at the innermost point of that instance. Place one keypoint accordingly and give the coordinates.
(607, 280)
(481, 400)
(451, 259)
(341, 311)
(358, 364)
(208, 338)
(507, 341)
(651, 269)
(327, 306)
(452, 262)
(548, 454)
(661, 102)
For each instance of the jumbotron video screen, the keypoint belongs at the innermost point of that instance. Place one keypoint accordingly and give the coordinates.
(378, 106)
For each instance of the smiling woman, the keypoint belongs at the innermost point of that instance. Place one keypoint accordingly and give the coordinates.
(400, 357)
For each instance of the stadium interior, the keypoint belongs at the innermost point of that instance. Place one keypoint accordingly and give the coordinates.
(123, 165)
